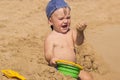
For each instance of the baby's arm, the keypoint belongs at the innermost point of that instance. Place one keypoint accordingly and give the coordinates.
(79, 34)
(48, 49)
(48, 52)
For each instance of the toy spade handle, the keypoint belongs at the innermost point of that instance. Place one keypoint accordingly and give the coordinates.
(20, 77)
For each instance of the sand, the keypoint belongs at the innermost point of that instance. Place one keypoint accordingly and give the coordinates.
(24, 26)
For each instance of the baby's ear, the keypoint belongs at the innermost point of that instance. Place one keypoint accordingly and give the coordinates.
(50, 21)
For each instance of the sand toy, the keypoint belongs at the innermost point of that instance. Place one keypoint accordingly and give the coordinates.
(68, 68)
(12, 74)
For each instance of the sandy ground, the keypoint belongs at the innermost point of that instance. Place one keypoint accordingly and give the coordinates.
(24, 26)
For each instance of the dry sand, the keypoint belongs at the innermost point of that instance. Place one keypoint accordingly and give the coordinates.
(23, 28)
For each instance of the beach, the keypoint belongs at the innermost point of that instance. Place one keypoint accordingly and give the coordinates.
(24, 26)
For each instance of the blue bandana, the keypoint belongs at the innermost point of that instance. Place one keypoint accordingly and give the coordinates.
(54, 5)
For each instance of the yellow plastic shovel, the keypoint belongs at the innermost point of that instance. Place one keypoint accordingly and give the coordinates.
(12, 74)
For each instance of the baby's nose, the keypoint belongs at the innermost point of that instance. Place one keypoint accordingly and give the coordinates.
(65, 20)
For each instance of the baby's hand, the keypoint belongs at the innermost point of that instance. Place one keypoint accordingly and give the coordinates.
(53, 61)
(81, 27)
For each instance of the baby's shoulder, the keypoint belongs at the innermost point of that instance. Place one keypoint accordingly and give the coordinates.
(48, 40)
(48, 37)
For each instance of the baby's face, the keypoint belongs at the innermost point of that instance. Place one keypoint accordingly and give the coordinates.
(60, 20)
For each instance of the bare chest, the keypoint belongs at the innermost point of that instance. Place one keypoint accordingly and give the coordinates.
(64, 42)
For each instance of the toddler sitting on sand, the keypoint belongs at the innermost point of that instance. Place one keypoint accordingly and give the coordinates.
(60, 43)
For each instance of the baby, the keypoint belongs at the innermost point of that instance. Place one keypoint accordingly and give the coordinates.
(60, 43)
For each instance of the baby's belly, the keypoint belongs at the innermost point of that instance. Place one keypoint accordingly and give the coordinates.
(65, 54)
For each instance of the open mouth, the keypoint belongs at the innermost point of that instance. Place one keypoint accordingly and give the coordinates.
(64, 26)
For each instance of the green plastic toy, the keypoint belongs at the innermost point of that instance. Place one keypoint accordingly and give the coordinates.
(68, 68)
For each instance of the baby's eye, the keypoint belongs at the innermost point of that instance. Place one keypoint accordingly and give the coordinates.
(61, 18)
(68, 17)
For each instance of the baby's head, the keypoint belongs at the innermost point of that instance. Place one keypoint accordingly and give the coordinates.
(53, 5)
(57, 9)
